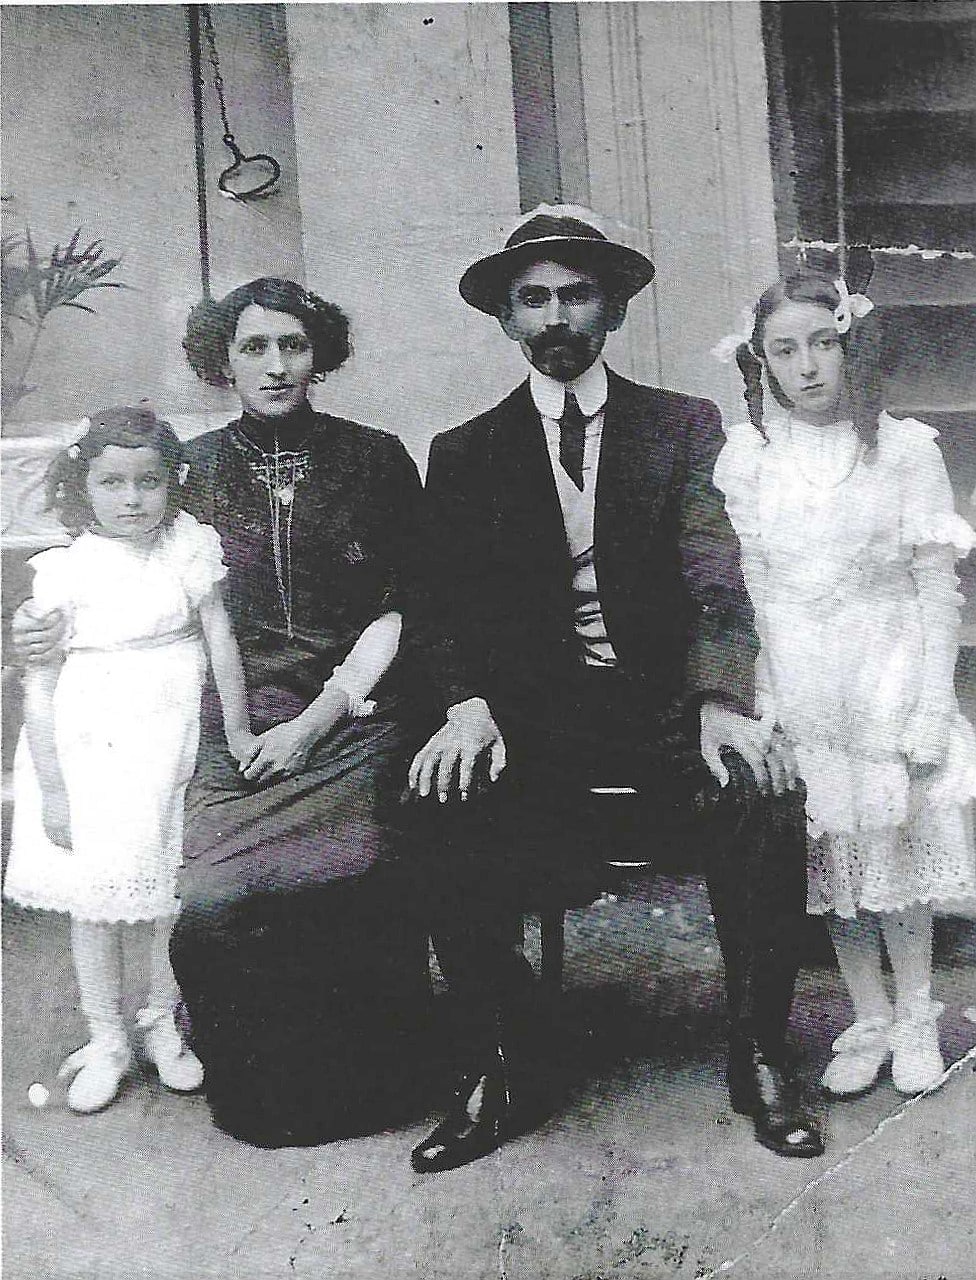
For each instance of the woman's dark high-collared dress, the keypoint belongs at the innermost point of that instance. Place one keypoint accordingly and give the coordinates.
(302, 969)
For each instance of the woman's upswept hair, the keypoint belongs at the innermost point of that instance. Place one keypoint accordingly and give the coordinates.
(212, 324)
(128, 427)
(861, 344)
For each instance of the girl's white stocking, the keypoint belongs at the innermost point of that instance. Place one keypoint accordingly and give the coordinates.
(164, 993)
(857, 944)
(96, 949)
(908, 937)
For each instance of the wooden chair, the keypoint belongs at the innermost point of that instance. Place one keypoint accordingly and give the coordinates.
(627, 831)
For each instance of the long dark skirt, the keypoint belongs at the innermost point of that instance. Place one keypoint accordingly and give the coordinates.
(302, 962)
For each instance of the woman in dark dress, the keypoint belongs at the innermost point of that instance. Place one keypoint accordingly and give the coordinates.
(302, 968)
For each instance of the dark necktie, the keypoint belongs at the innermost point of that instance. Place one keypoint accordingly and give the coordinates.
(572, 437)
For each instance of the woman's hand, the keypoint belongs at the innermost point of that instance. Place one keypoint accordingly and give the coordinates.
(280, 751)
(36, 636)
(243, 745)
(56, 816)
(283, 750)
(456, 746)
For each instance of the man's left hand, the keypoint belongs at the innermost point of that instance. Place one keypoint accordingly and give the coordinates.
(450, 755)
(721, 728)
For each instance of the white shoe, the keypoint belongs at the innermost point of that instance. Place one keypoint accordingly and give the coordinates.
(178, 1067)
(859, 1054)
(918, 1061)
(101, 1066)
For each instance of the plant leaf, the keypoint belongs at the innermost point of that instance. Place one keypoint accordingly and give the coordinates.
(96, 271)
(79, 306)
(37, 275)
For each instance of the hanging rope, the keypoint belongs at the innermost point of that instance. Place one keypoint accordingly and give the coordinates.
(839, 155)
(196, 76)
(229, 181)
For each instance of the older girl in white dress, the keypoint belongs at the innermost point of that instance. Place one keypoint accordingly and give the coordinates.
(849, 537)
(112, 726)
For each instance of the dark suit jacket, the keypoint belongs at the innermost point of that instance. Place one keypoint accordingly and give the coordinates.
(667, 560)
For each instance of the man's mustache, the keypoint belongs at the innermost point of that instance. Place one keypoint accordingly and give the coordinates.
(559, 339)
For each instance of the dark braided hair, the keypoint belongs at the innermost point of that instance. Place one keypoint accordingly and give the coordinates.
(212, 324)
(128, 427)
(861, 345)
(751, 370)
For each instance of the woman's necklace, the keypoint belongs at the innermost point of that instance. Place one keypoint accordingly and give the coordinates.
(280, 473)
(281, 494)
(821, 484)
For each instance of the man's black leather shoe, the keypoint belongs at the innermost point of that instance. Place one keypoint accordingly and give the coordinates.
(769, 1093)
(477, 1123)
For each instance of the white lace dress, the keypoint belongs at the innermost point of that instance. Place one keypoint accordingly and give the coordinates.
(848, 559)
(127, 723)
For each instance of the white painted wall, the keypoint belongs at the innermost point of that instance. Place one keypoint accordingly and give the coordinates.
(98, 129)
(402, 120)
(406, 143)
(676, 122)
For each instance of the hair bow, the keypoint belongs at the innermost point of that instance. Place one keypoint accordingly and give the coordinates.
(725, 349)
(851, 306)
(73, 450)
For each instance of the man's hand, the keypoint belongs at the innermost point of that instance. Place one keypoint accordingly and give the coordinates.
(469, 731)
(752, 740)
(35, 636)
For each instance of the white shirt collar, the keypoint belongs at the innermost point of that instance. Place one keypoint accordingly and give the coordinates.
(590, 389)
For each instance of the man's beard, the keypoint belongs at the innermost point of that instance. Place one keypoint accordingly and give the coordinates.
(562, 355)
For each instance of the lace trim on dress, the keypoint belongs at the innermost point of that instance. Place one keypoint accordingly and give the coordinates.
(892, 869)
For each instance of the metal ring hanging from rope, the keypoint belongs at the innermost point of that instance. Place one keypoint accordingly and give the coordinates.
(227, 180)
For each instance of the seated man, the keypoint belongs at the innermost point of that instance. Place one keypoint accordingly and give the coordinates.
(593, 632)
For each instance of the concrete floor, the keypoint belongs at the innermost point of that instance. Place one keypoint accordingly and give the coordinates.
(644, 1172)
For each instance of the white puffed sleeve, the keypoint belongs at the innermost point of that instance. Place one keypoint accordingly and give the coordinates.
(736, 476)
(53, 580)
(937, 536)
(197, 556)
(928, 511)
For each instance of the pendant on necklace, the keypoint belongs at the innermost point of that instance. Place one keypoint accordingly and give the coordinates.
(285, 493)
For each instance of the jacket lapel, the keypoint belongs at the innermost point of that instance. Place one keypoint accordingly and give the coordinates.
(636, 461)
(526, 502)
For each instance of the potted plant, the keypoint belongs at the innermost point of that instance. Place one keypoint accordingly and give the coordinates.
(32, 287)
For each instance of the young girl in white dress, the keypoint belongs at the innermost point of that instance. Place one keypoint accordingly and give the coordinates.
(849, 537)
(111, 730)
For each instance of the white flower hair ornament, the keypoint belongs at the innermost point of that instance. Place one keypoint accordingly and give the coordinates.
(852, 306)
(73, 450)
(725, 349)
(182, 471)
